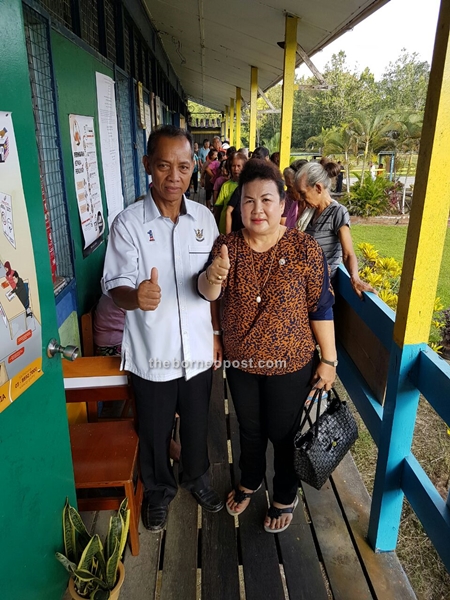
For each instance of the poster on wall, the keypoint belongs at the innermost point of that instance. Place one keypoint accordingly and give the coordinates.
(20, 314)
(109, 144)
(87, 182)
(158, 111)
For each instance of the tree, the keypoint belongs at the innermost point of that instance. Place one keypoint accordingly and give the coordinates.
(410, 130)
(405, 82)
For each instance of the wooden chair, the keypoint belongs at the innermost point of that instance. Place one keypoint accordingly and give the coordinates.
(104, 454)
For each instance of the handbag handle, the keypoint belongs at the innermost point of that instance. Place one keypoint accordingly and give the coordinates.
(318, 392)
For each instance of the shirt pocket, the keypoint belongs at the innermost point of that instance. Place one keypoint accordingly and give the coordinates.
(198, 257)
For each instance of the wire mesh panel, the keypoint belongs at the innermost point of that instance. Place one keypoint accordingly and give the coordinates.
(125, 137)
(110, 30)
(59, 10)
(89, 23)
(47, 138)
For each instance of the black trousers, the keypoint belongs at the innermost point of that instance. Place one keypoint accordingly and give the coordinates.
(156, 405)
(194, 181)
(269, 408)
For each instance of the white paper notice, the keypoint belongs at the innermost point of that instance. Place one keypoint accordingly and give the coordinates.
(87, 184)
(109, 144)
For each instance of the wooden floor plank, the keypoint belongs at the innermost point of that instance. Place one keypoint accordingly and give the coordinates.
(141, 571)
(304, 577)
(384, 569)
(220, 575)
(341, 562)
(217, 428)
(179, 579)
(262, 577)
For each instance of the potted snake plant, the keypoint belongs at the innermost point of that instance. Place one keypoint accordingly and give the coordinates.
(96, 569)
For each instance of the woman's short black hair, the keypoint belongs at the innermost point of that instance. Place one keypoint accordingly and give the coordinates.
(262, 169)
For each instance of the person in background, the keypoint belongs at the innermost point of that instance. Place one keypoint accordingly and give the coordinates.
(380, 170)
(277, 305)
(245, 152)
(169, 337)
(109, 322)
(220, 180)
(261, 152)
(220, 207)
(330, 224)
(372, 171)
(275, 158)
(217, 144)
(339, 178)
(197, 166)
(203, 152)
(211, 160)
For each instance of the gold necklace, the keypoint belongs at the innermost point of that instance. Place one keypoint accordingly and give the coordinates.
(274, 250)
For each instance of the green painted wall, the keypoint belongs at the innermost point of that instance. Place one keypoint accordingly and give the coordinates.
(35, 462)
(75, 75)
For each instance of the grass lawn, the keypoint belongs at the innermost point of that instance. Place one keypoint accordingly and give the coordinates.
(390, 242)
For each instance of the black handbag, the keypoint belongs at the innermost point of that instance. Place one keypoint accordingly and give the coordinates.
(319, 451)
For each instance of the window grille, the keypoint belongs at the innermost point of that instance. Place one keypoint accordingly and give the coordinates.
(47, 138)
(137, 70)
(110, 30)
(89, 23)
(126, 137)
(59, 10)
(140, 147)
(126, 40)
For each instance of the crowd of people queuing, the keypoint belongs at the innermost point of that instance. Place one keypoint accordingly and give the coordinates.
(248, 277)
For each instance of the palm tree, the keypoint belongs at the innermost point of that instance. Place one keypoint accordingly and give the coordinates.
(410, 129)
(342, 140)
(371, 133)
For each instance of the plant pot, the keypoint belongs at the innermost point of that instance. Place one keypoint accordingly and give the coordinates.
(114, 594)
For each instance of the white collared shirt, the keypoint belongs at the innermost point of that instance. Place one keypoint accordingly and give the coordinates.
(176, 339)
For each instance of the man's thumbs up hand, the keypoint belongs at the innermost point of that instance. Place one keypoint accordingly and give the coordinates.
(149, 292)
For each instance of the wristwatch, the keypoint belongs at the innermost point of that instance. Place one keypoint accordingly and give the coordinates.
(332, 363)
(217, 332)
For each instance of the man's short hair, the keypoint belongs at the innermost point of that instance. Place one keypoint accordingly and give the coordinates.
(169, 131)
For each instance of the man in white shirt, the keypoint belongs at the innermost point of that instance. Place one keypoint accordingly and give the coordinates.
(156, 249)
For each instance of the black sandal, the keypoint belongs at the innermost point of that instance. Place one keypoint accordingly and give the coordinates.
(275, 513)
(239, 497)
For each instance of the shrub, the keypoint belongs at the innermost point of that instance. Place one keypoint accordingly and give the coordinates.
(384, 274)
(370, 199)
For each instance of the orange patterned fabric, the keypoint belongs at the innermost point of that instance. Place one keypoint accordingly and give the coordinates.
(277, 329)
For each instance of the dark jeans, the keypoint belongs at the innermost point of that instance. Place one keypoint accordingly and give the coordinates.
(156, 405)
(269, 407)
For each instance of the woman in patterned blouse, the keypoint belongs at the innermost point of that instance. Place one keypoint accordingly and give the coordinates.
(277, 303)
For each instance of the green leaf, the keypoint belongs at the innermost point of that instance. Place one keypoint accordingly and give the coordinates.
(67, 564)
(69, 533)
(124, 532)
(89, 553)
(86, 576)
(84, 536)
(111, 567)
(113, 535)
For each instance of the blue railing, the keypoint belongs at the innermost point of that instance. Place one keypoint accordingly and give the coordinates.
(428, 374)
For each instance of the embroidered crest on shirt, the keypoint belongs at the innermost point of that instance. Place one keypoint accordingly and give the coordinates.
(150, 236)
(199, 235)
